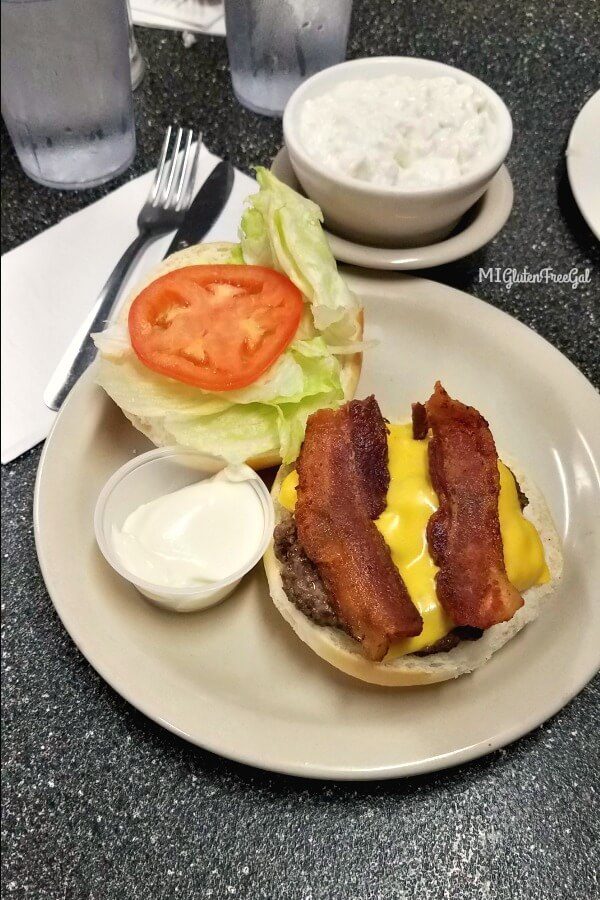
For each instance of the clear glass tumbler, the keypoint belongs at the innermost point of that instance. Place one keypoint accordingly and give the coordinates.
(136, 60)
(66, 89)
(275, 44)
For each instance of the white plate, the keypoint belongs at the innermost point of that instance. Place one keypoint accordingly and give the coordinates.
(583, 162)
(235, 679)
(477, 228)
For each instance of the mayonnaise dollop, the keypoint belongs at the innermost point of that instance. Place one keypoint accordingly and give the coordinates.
(197, 535)
(399, 131)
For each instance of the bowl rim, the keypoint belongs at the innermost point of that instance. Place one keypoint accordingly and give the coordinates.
(461, 185)
(179, 593)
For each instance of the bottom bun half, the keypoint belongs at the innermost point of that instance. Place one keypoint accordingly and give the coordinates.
(336, 648)
(215, 254)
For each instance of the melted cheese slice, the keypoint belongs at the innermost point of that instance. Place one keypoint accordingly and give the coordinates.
(411, 500)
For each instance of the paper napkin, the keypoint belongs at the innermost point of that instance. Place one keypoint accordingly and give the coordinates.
(204, 16)
(52, 281)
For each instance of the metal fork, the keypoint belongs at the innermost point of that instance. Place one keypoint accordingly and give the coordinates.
(170, 196)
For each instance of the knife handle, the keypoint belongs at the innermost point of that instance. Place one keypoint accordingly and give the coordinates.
(82, 350)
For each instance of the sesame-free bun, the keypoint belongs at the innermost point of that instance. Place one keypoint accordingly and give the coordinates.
(338, 649)
(218, 254)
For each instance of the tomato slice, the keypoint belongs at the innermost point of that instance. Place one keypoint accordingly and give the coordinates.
(215, 327)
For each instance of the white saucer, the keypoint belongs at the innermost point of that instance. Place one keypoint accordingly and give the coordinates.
(477, 228)
(235, 678)
(583, 162)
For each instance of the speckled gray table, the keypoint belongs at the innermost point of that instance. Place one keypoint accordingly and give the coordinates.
(101, 803)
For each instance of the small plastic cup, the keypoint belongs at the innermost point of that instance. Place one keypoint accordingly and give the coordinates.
(152, 475)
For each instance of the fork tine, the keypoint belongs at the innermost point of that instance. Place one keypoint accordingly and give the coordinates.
(166, 194)
(183, 171)
(191, 185)
(160, 167)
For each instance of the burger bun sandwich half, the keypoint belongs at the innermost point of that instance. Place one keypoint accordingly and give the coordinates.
(408, 554)
(227, 349)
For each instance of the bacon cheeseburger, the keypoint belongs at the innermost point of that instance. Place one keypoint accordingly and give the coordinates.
(408, 554)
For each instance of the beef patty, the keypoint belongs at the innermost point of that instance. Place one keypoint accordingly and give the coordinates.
(304, 588)
(301, 580)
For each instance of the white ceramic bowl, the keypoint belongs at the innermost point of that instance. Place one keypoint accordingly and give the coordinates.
(153, 475)
(380, 215)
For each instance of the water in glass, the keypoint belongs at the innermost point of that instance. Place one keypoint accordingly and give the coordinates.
(275, 44)
(66, 89)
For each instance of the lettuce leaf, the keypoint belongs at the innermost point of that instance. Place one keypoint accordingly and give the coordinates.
(273, 410)
(149, 396)
(282, 230)
(236, 257)
(241, 432)
(237, 433)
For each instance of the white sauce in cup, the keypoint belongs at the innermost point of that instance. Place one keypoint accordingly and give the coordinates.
(200, 534)
(399, 131)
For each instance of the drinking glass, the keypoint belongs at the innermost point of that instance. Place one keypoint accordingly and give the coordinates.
(136, 60)
(275, 44)
(66, 89)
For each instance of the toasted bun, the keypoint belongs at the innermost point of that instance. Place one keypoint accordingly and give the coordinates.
(341, 651)
(215, 254)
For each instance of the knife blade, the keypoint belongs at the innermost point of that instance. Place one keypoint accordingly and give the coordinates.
(206, 207)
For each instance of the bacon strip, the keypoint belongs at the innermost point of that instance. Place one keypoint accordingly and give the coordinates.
(420, 424)
(464, 533)
(369, 442)
(343, 480)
